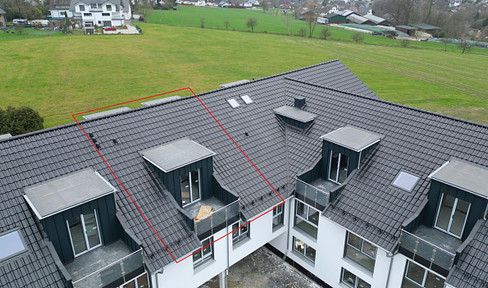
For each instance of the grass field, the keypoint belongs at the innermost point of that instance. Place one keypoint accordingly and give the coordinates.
(26, 33)
(271, 22)
(60, 76)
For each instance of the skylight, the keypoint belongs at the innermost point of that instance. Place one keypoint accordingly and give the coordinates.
(233, 103)
(11, 244)
(405, 181)
(246, 99)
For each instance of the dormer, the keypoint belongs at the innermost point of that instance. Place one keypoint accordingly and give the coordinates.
(185, 168)
(344, 149)
(296, 115)
(457, 197)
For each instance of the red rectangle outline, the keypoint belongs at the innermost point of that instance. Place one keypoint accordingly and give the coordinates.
(142, 214)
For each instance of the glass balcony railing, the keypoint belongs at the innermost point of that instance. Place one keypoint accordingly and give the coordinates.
(434, 256)
(311, 195)
(114, 274)
(218, 220)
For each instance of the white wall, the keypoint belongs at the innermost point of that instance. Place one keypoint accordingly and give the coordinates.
(329, 258)
(183, 274)
(397, 270)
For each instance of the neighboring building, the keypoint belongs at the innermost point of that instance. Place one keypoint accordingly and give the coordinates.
(356, 19)
(335, 18)
(377, 20)
(3, 22)
(431, 29)
(57, 11)
(372, 190)
(104, 13)
(406, 29)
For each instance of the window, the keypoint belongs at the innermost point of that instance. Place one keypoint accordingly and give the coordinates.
(305, 250)
(87, 14)
(361, 251)
(405, 181)
(239, 234)
(138, 282)
(105, 14)
(352, 280)
(82, 7)
(306, 218)
(99, 5)
(84, 233)
(109, 7)
(204, 254)
(337, 167)
(93, 5)
(190, 187)
(233, 103)
(417, 276)
(452, 215)
(278, 216)
(12, 244)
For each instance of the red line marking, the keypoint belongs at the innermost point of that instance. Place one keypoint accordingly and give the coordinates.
(139, 209)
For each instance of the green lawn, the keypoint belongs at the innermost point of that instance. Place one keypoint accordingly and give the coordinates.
(271, 22)
(11, 34)
(60, 76)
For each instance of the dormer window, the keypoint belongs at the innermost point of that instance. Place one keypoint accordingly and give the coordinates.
(190, 187)
(337, 167)
(452, 215)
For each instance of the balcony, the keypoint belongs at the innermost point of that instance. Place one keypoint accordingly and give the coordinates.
(430, 247)
(222, 215)
(317, 193)
(109, 265)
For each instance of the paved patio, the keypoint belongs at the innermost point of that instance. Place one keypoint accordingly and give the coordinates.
(263, 269)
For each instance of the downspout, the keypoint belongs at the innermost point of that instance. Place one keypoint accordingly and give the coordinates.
(389, 255)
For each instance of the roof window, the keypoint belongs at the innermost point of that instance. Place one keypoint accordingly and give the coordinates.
(233, 103)
(405, 181)
(246, 99)
(12, 244)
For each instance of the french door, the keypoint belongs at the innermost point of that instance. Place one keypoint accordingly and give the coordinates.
(84, 233)
(337, 167)
(452, 215)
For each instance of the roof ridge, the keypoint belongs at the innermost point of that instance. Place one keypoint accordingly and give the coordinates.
(393, 103)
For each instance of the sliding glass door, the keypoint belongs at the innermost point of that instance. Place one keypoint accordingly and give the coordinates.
(84, 233)
(452, 215)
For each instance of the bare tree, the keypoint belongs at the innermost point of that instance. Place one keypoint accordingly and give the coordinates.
(357, 37)
(264, 4)
(202, 22)
(226, 24)
(311, 16)
(325, 33)
(464, 46)
(252, 22)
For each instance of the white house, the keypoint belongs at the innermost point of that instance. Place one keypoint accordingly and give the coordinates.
(356, 191)
(104, 13)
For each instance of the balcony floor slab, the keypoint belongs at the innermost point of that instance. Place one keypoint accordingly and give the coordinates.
(97, 259)
(324, 185)
(438, 238)
(193, 209)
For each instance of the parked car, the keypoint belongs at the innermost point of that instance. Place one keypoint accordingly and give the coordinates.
(109, 28)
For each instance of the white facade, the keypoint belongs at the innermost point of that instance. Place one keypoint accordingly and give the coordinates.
(101, 14)
(58, 14)
(225, 254)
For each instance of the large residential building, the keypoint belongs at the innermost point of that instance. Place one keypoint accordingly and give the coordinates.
(375, 194)
(104, 13)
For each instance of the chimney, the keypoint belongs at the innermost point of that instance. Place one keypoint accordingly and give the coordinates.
(299, 102)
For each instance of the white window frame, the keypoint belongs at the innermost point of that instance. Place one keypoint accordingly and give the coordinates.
(356, 282)
(135, 280)
(453, 210)
(308, 214)
(204, 258)
(336, 180)
(241, 236)
(361, 250)
(278, 211)
(88, 248)
(191, 189)
(426, 272)
(304, 254)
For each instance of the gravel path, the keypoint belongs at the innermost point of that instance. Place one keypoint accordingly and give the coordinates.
(263, 269)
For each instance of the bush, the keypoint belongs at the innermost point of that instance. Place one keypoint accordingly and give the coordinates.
(202, 22)
(302, 32)
(325, 33)
(404, 43)
(357, 37)
(226, 24)
(19, 29)
(251, 22)
(20, 120)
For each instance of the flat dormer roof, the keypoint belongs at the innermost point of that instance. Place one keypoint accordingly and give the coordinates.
(463, 175)
(353, 138)
(295, 113)
(176, 154)
(62, 193)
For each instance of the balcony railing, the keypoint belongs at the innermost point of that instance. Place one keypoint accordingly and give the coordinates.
(311, 194)
(430, 255)
(114, 274)
(218, 220)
